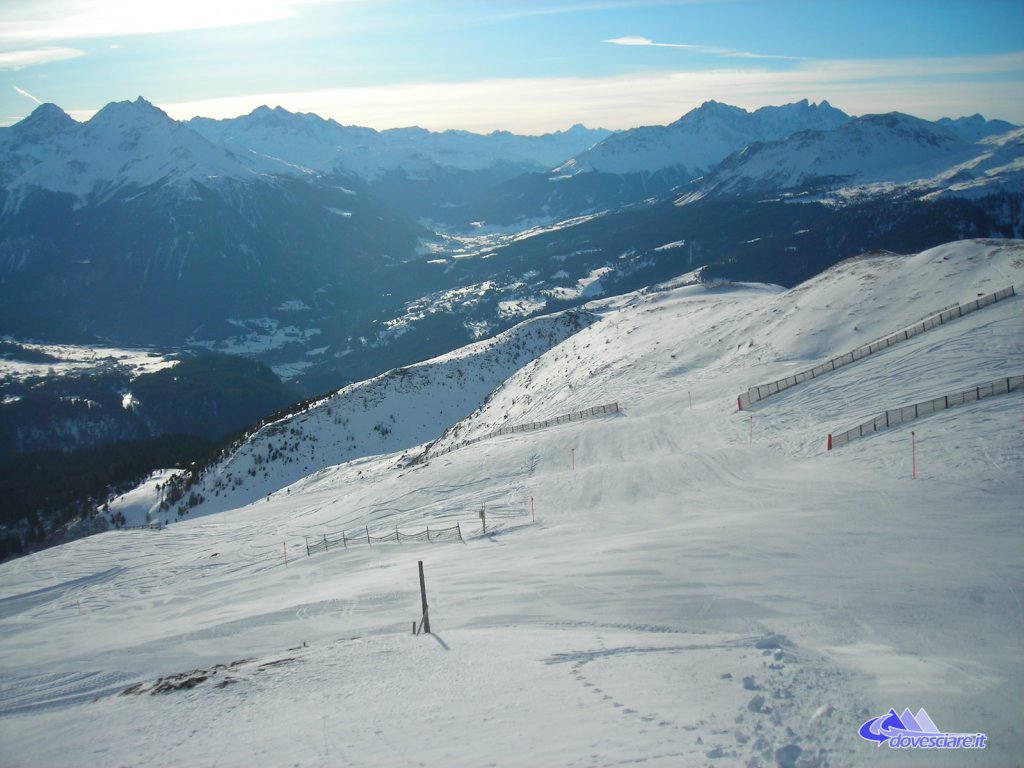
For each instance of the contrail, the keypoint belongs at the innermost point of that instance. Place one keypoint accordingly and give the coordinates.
(27, 95)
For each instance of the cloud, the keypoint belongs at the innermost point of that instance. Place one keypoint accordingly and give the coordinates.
(50, 20)
(27, 95)
(16, 60)
(707, 49)
(929, 88)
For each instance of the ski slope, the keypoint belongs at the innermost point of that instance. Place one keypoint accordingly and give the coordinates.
(701, 587)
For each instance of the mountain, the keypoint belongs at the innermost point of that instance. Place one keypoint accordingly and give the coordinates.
(631, 166)
(871, 155)
(975, 128)
(701, 138)
(309, 142)
(334, 253)
(124, 145)
(424, 173)
(675, 584)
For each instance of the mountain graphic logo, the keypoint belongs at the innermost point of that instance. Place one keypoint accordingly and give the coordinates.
(910, 731)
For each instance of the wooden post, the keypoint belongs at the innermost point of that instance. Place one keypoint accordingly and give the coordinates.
(397, 537)
(307, 546)
(483, 517)
(458, 527)
(325, 542)
(428, 533)
(344, 543)
(423, 600)
(368, 537)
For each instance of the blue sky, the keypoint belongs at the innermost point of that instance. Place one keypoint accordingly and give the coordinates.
(522, 65)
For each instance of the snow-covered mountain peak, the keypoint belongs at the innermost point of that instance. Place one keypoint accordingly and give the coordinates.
(976, 128)
(869, 155)
(127, 143)
(701, 138)
(129, 114)
(45, 121)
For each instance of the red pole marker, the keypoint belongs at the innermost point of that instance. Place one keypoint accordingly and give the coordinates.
(739, 403)
(829, 441)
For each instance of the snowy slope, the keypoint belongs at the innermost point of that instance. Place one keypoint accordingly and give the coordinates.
(701, 138)
(393, 412)
(694, 592)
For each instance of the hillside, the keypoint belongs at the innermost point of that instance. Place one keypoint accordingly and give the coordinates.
(701, 586)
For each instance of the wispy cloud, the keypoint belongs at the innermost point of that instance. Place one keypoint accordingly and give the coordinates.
(32, 57)
(27, 95)
(706, 49)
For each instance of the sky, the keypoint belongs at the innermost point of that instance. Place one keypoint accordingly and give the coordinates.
(529, 66)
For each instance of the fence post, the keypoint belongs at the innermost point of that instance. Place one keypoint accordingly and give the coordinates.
(459, 529)
(325, 542)
(483, 517)
(368, 537)
(307, 545)
(428, 534)
(398, 537)
(344, 543)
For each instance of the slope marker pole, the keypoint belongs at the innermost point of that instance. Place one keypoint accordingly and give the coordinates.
(913, 455)
(423, 600)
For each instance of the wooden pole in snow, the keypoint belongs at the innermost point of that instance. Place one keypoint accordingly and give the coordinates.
(423, 600)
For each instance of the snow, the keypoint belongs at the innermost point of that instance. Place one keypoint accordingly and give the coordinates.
(701, 138)
(874, 156)
(140, 506)
(687, 595)
(72, 358)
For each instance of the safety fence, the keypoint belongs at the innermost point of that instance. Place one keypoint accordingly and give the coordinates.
(761, 391)
(909, 412)
(346, 540)
(598, 410)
